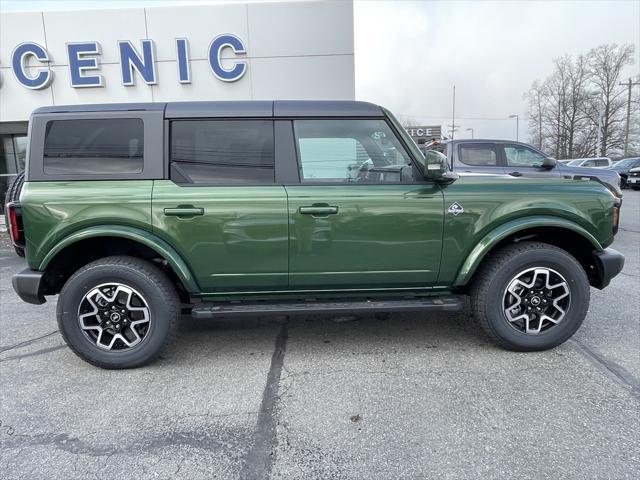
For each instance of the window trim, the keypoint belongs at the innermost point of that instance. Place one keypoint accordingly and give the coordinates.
(152, 166)
(419, 180)
(168, 162)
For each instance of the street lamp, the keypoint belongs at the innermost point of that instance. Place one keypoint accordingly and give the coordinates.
(597, 97)
(471, 130)
(517, 126)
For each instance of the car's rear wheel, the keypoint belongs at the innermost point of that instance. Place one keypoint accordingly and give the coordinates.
(530, 296)
(118, 312)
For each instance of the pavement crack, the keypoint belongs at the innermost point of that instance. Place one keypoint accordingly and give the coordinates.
(609, 368)
(33, 354)
(630, 274)
(26, 342)
(259, 458)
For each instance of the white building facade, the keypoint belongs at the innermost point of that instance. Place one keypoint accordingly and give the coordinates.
(231, 51)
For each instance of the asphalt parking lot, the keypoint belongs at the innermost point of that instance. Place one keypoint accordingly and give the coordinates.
(402, 396)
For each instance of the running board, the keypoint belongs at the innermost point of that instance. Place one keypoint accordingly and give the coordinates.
(441, 304)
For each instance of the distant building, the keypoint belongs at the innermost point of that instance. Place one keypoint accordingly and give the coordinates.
(424, 133)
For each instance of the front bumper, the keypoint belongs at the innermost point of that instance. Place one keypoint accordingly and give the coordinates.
(609, 263)
(29, 284)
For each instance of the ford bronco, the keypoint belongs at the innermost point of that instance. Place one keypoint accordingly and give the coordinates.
(136, 213)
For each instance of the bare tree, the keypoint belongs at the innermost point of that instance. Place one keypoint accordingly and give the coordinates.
(534, 98)
(566, 107)
(607, 63)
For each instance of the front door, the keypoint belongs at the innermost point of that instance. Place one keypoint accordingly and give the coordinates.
(522, 161)
(362, 216)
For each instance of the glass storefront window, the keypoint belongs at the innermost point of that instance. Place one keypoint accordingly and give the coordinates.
(13, 152)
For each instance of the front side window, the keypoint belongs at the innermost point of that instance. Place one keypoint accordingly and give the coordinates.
(478, 155)
(589, 163)
(359, 150)
(94, 146)
(519, 156)
(222, 151)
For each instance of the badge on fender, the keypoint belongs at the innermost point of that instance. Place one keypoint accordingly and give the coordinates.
(456, 209)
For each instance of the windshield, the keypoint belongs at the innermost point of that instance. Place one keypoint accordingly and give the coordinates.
(625, 163)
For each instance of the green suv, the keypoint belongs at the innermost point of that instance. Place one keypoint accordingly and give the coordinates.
(137, 213)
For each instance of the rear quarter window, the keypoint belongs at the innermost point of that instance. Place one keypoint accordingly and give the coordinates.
(94, 146)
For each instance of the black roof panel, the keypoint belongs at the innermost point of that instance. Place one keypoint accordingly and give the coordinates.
(101, 107)
(241, 108)
(248, 108)
(323, 108)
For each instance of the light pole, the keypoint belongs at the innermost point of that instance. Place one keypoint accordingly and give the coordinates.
(517, 126)
(598, 97)
(471, 130)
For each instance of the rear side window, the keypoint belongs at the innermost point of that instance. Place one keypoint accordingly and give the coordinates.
(94, 146)
(602, 163)
(222, 151)
(478, 155)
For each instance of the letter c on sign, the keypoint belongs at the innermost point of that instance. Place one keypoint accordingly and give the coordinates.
(218, 44)
(18, 64)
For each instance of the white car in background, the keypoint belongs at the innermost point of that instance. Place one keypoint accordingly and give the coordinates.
(596, 162)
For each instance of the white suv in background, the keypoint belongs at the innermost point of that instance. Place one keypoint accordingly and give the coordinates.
(599, 162)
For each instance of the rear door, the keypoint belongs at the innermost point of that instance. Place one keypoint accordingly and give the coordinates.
(221, 208)
(480, 157)
(362, 216)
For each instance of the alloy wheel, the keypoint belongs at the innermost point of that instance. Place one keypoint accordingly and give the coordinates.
(536, 300)
(114, 316)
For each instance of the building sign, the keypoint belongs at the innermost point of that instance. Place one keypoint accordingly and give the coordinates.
(424, 134)
(136, 61)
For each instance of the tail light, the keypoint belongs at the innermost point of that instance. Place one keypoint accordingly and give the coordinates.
(15, 224)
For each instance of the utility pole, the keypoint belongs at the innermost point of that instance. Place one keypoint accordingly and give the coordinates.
(598, 97)
(629, 84)
(517, 126)
(453, 116)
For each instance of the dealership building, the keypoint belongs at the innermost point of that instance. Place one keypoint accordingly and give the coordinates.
(231, 51)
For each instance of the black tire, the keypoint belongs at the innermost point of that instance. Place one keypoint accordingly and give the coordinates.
(636, 187)
(623, 182)
(13, 195)
(496, 273)
(143, 277)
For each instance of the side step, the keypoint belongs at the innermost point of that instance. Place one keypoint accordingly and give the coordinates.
(226, 309)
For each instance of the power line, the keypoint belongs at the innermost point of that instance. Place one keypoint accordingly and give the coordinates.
(446, 117)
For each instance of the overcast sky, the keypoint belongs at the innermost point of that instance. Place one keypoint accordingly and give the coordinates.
(409, 54)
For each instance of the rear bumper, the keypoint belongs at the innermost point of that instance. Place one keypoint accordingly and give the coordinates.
(609, 263)
(29, 284)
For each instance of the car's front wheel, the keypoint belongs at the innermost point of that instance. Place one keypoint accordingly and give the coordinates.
(530, 296)
(118, 312)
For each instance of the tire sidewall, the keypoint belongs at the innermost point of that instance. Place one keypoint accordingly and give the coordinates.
(557, 334)
(159, 313)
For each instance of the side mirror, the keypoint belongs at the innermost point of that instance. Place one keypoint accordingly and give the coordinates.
(434, 165)
(548, 163)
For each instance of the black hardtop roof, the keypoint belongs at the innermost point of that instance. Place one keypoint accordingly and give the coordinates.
(243, 108)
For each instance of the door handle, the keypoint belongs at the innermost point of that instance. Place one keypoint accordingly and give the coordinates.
(184, 211)
(515, 174)
(318, 210)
